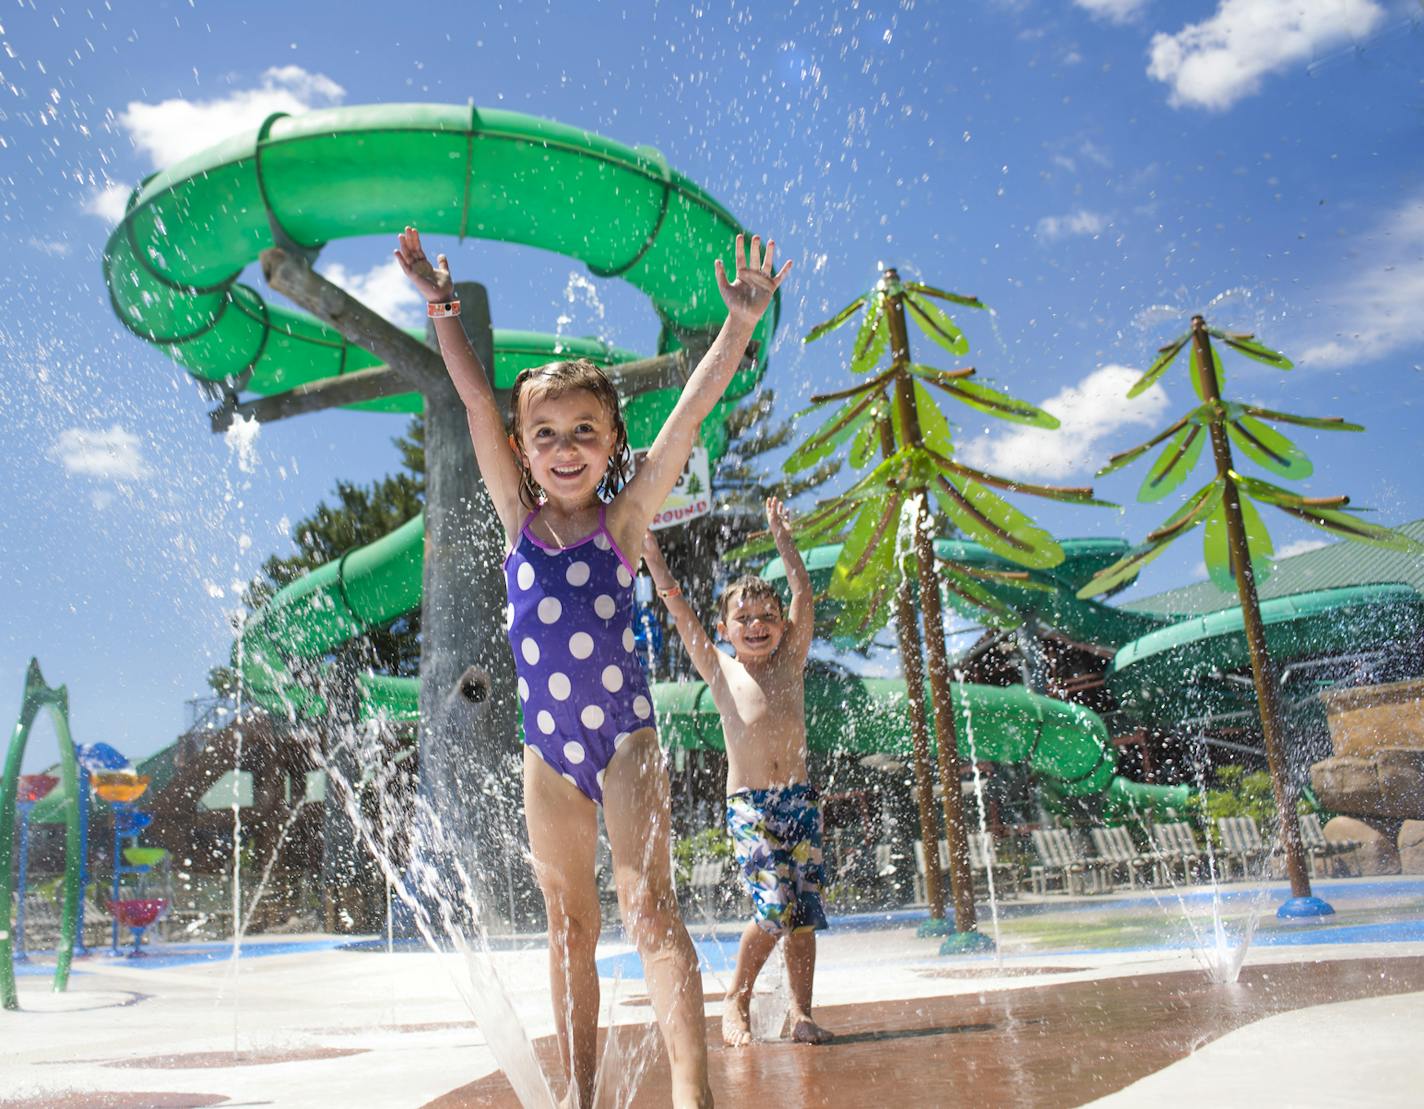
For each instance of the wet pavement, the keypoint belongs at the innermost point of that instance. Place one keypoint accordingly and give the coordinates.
(1090, 998)
(1058, 1045)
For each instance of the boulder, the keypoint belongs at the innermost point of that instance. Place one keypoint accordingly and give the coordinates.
(1411, 847)
(1365, 719)
(1346, 783)
(1401, 781)
(1377, 851)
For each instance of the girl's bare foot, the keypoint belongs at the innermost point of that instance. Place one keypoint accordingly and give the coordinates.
(804, 1030)
(736, 1021)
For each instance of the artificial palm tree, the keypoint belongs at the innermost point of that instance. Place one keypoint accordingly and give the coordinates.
(886, 521)
(1237, 544)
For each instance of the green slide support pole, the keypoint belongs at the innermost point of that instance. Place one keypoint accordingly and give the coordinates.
(38, 695)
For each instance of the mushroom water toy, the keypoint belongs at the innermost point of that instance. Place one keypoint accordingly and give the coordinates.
(137, 914)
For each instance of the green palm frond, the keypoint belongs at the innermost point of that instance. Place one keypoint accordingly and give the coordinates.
(835, 431)
(940, 294)
(1216, 546)
(1267, 447)
(1175, 463)
(1068, 494)
(873, 337)
(827, 326)
(1245, 344)
(1322, 423)
(935, 322)
(986, 517)
(1159, 366)
(994, 403)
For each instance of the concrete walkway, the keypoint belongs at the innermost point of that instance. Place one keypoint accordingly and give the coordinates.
(312, 1024)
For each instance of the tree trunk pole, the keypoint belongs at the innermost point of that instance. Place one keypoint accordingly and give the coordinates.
(1262, 668)
(907, 630)
(961, 877)
(468, 737)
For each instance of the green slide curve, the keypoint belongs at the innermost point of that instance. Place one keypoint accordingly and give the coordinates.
(1067, 746)
(1171, 675)
(172, 263)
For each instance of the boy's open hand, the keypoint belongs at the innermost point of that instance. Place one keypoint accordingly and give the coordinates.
(756, 282)
(778, 518)
(432, 282)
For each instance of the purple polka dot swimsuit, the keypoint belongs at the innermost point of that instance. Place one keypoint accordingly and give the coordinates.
(571, 627)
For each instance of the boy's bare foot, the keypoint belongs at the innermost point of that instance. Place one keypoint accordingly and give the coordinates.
(736, 1021)
(804, 1030)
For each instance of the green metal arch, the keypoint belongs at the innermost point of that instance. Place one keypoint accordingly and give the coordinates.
(38, 695)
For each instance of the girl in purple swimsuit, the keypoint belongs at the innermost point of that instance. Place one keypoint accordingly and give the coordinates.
(557, 480)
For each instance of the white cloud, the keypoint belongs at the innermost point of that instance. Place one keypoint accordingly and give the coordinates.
(1375, 311)
(383, 289)
(108, 202)
(55, 248)
(1081, 222)
(115, 454)
(1090, 413)
(173, 129)
(1115, 11)
(1300, 546)
(1217, 62)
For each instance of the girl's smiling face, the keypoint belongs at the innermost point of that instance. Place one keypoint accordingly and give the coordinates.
(566, 440)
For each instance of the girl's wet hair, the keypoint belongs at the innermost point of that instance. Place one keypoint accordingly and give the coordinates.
(554, 379)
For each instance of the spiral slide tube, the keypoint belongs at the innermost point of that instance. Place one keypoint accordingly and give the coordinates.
(172, 264)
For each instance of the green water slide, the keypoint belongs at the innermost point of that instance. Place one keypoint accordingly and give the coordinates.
(172, 267)
(1066, 746)
(1184, 671)
(172, 264)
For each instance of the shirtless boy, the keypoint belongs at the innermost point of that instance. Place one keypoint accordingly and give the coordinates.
(772, 810)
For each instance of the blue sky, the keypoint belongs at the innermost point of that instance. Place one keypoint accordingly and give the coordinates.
(1095, 170)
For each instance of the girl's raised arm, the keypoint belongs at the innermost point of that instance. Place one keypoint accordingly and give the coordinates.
(700, 648)
(498, 465)
(747, 297)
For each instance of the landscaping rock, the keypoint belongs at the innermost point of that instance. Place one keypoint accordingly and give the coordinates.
(1377, 852)
(1346, 783)
(1411, 847)
(1401, 781)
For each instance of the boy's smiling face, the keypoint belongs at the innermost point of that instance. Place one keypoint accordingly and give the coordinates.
(753, 626)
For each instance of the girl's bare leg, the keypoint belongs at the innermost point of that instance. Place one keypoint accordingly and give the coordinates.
(637, 816)
(563, 833)
(752, 953)
(800, 974)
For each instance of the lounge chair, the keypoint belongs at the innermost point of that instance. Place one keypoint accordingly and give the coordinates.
(984, 856)
(1174, 844)
(1241, 840)
(1332, 857)
(1116, 849)
(1060, 859)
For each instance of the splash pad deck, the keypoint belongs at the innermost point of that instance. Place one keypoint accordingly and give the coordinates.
(1064, 1019)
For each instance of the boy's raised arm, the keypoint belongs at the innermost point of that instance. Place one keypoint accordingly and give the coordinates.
(700, 648)
(498, 466)
(801, 618)
(747, 298)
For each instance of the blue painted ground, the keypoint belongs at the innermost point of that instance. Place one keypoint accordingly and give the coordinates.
(717, 953)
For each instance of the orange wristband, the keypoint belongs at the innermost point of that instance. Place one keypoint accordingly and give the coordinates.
(439, 310)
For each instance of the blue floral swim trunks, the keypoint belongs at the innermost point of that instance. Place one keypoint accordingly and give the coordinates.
(776, 834)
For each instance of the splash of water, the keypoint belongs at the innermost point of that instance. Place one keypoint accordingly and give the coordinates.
(983, 818)
(241, 439)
